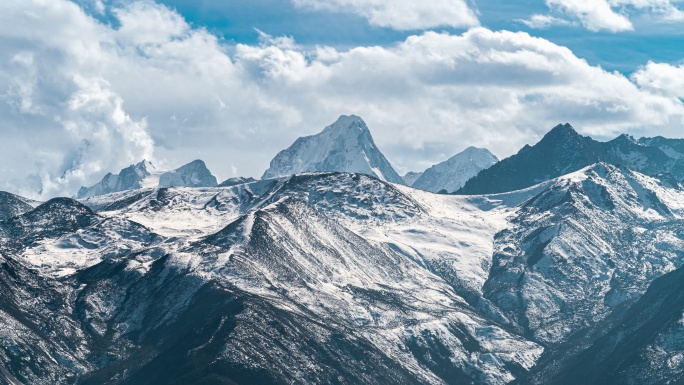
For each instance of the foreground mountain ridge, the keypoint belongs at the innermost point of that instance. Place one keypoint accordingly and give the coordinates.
(366, 281)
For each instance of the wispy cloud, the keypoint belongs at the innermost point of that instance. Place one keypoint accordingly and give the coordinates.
(544, 21)
(614, 15)
(401, 14)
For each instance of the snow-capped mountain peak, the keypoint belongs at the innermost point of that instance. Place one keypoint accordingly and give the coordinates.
(453, 173)
(344, 146)
(411, 177)
(193, 174)
(146, 175)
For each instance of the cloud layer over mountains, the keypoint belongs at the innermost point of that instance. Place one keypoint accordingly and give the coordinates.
(85, 93)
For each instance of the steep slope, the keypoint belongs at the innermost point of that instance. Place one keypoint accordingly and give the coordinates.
(563, 151)
(344, 146)
(133, 177)
(589, 243)
(193, 174)
(641, 345)
(560, 152)
(43, 339)
(453, 173)
(12, 205)
(674, 148)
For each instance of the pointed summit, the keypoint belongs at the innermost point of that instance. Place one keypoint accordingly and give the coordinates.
(562, 130)
(344, 146)
(130, 178)
(348, 122)
(562, 133)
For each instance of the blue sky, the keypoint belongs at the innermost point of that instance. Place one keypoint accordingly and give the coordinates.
(91, 86)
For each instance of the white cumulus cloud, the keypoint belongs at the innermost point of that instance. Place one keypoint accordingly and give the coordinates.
(661, 78)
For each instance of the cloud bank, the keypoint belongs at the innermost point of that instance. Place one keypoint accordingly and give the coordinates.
(79, 98)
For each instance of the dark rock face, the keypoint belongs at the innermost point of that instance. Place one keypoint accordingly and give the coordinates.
(563, 151)
(53, 218)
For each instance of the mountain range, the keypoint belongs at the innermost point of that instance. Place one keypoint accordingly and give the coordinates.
(341, 277)
(563, 150)
(145, 174)
(345, 146)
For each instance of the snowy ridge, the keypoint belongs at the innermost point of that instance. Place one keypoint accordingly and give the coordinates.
(344, 146)
(140, 175)
(571, 249)
(12, 205)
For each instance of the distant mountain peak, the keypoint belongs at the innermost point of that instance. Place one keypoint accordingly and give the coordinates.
(411, 177)
(193, 174)
(453, 173)
(145, 174)
(145, 165)
(344, 146)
